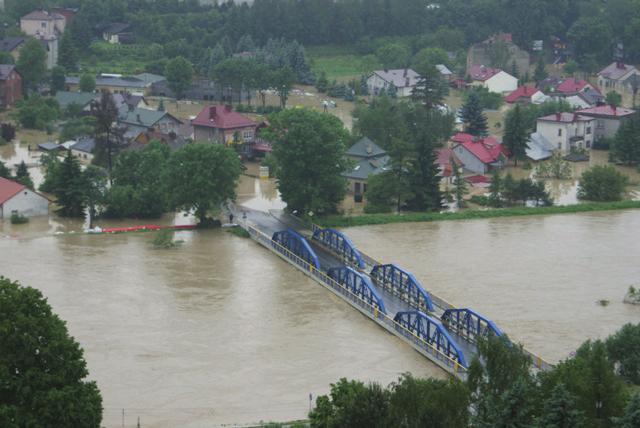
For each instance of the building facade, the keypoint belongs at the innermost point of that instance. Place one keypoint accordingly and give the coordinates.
(567, 131)
(607, 119)
(403, 80)
(220, 124)
(15, 198)
(494, 79)
(10, 86)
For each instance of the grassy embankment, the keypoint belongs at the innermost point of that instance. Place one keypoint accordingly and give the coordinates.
(372, 219)
(342, 63)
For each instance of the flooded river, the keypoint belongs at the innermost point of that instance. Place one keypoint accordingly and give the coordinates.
(220, 331)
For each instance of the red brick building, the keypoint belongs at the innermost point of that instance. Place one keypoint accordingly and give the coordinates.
(10, 86)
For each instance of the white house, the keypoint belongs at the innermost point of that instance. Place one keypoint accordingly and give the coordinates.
(16, 198)
(615, 76)
(404, 80)
(608, 119)
(83, 149)
(494, 79)
(566, 131)
(46, 27)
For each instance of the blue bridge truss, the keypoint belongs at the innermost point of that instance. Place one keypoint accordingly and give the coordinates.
(339, 243)
(433, 332)
(469, 324)
(402, 284)
(295, 243)
(358, 284)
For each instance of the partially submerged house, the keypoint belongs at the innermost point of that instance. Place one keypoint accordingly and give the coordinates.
(403, 80)
(16, 198)
(567, 131)
(220, 124)
(526, 95)
(81, 100)
(494, 79)
(617, 77)
(608, 119)
(478, 154)
(538, 147)
(369, 159)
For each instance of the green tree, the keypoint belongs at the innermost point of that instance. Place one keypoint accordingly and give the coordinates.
(22, 175)
(556, 167)
(57, 82)
(69, 188)
(87, 83)
(94, 180)
(309, 148)
(67, 52)
(351, 404)
(36, 112)
(498, 377)
(202, 177)
(430, 88)
(4, 171)
(393, 55)
(385, 190)
(540, 73)
(495, 190)
(430, 403)
(32, 64)
(623, 349)
(602, 183)
(625, 147)
(516, 134)
(179, 74)
(560, 410)
(613, 98)
(283, 80)
(42, 369)
(381, 120)
(429, 57)
(105, 113)
(460, 184)
(589, 377)
(631, 418)
(473, 117)
(78, 127)
(138, 188)
(322, 83)
(591, 38)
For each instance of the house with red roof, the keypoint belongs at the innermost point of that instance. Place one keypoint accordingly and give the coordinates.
(483, 53)
(617, 76)
(477, 154)
(608, 119)
(572, 86)
(567, 131)
(447, 160)
(16, 198)
(220, 124)
(494, 79)
(526, 95)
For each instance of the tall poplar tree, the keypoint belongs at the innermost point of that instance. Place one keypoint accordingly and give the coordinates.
(516, 134)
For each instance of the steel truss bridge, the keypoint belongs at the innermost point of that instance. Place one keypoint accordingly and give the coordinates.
(386, 293)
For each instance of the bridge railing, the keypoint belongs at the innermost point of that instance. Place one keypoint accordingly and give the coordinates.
(355, 300)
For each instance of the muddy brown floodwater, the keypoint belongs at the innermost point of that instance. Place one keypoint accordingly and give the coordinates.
(539, 278)
(220, 331)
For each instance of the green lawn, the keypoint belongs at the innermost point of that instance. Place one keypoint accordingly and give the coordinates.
(340, 62)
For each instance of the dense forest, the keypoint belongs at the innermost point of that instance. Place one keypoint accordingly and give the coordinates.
(592, 27)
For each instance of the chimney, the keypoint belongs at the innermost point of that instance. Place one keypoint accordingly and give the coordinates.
(212, 113)
(558, 116)
(407, 82)
(620, 65)
(138, 118)
(405, 72)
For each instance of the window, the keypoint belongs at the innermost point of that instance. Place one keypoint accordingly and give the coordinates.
(559, 132)
(247, 135)
(559, 146)
(43, 24)
(588, 130)
(357, 188)
(364, 188)
(600, 124)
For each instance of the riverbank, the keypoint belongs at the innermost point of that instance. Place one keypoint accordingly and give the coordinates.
(372, 219)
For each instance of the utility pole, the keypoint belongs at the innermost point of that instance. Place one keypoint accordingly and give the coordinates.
(122, 418)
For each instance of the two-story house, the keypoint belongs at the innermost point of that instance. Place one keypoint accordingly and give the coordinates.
(567, 131)
(46, 27)
(607, 119)
(220, 124)
(368, 159)
(138, 120)
(10, 86)
(403, 80)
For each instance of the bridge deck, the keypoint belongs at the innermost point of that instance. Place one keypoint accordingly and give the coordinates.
(271, 223)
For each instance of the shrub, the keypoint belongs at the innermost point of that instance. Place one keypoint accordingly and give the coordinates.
(602, 184)
(18, 219)
(164, 239)
(7, 132)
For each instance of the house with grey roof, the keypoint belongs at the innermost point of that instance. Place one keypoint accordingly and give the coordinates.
(403, 80)
(368, 159)
(83, 148)
(118, 32)
(616, 76)
(114, 83)
(444, 72)
(138, 120)
(80, 99)
(12, 45)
